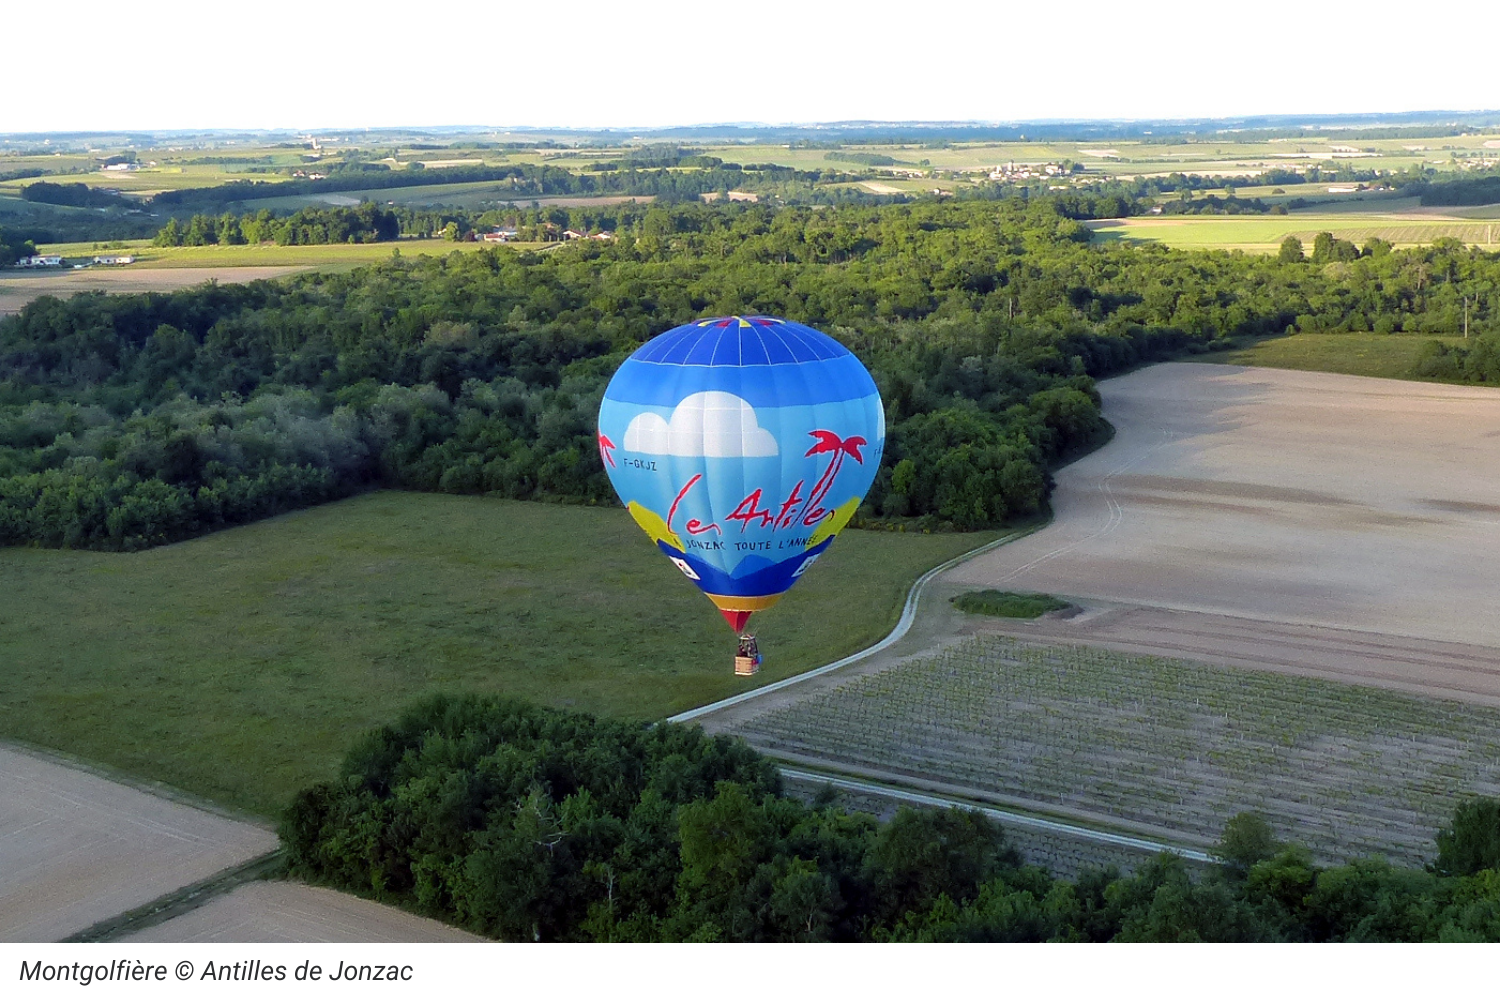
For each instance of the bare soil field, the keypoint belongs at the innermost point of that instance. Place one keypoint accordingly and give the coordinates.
(1295, 498)
(19, 288)
(77, 848)
(291, 912)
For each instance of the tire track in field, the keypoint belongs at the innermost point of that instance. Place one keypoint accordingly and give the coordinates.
(1116, 509)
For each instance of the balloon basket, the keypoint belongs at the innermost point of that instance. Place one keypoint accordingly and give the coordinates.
(747, 658)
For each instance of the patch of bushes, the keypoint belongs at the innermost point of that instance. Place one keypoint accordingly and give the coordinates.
(1008, 604)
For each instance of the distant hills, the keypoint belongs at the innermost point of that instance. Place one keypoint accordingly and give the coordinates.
(1373, 125)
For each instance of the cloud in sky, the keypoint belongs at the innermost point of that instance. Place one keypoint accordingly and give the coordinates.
(704, 425)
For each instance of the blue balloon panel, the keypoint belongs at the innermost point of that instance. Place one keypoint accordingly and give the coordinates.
(742, 446)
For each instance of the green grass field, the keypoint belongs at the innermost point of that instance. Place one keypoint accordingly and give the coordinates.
(240, 666)
(1373, 354)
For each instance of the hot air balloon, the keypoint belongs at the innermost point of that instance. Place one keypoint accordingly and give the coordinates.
(742, 446)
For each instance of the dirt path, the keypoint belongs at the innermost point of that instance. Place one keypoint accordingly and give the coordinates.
(17, 288)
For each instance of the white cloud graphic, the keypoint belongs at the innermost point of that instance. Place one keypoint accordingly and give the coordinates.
(705, 424)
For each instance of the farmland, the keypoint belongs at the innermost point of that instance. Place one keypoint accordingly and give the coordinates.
(1131, 158)
(1266, 624)
(324, 257)
(276, 644)
(19, 288)
(1279, 496)
(1264, 233)
(472, 195)
(1157, 742)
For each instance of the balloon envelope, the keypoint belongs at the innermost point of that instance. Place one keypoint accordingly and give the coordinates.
(742, 446)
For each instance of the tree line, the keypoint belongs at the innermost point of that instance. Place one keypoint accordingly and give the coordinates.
(73, 195)
(533, 824)
(365, 224)
(1476, 190)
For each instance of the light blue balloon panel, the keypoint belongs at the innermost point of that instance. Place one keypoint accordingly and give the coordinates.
(742, 446)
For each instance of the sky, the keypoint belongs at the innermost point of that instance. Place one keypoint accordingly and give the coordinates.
(102, 65)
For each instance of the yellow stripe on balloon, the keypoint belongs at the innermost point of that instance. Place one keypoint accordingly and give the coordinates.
(725, 602)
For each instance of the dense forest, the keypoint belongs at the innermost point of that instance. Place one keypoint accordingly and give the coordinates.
(532, 824)
(128, 421)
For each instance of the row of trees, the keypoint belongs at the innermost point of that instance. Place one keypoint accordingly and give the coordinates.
(531, 824)
(365, 224)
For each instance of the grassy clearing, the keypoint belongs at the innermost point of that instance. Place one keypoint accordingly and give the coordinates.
(241, 665)
(1373, 354)
(1347, 770)
(1007, 604)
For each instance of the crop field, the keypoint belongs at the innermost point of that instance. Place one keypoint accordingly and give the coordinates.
(17, 288)
(1346, 770)
(240, 666)
(1264, 233)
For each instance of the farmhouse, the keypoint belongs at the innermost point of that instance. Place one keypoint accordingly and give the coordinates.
(115, 259)
(40, 261)
(500, 236)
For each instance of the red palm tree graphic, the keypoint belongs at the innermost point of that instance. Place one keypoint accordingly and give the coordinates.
(830, 443)
(605, 447)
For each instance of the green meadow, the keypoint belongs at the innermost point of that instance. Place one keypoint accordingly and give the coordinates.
(240, 666)
(1373, 354)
